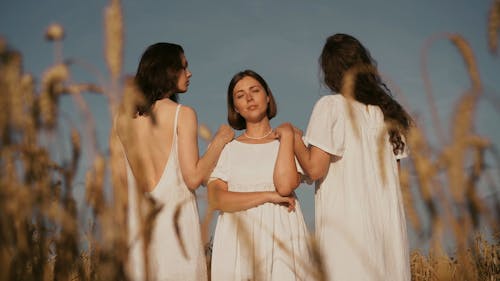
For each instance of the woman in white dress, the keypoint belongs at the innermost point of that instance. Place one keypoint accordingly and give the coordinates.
(352, 148)
(260, 233)
(159, 141)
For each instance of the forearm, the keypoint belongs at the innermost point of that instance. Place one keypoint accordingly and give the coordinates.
(205, 165)
(229, 201)
(314, 161)
(285, 176)
(209, 159)
(303, 154)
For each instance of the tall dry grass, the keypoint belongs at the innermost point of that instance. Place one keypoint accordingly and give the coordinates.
(42, 235)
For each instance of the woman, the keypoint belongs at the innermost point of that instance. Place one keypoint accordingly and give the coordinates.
(260, 232)
(159, 140)
(353, 149)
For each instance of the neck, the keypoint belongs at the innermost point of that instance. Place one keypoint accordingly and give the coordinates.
(257, 130)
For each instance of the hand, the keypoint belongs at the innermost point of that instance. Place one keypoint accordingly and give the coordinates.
(225, 134)
(287, 201)
(283, 130)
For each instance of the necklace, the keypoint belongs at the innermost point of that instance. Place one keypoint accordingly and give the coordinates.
(258, 138)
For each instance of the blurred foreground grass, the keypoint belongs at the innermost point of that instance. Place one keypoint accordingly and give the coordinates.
(42, 236)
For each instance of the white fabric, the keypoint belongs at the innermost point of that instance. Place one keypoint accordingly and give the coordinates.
(265, 242)
(166, 257)
(360, 220)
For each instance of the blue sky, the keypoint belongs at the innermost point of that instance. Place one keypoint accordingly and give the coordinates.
(280, 39)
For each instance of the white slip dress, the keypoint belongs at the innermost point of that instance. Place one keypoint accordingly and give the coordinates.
(171, 256)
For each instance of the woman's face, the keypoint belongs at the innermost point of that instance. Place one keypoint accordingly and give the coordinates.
(184, 75)
(250, 99)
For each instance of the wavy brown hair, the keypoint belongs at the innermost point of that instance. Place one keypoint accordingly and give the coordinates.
(157, 74)
(342, 53)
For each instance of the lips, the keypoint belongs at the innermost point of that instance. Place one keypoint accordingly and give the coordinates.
(252, 107)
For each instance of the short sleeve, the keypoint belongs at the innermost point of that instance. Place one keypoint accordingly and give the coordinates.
(405, 152)
(221, 170)
(326, 129)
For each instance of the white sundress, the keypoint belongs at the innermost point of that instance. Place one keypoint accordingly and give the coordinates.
(167, 260)
(265, 242)
(360, 220)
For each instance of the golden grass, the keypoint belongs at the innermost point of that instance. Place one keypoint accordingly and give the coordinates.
(43, 236)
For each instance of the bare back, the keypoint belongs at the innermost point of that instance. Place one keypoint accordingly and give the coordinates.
(147, 144)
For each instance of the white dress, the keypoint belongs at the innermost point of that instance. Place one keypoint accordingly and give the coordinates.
(360, 220)
(167, 259)
(265, 242)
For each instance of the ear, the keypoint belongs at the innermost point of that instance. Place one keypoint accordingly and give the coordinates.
(236, 110)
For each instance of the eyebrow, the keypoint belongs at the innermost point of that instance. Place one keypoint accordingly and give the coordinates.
(250, 88)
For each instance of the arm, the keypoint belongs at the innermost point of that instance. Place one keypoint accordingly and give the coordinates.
(195, 169)
(286, 178)
(313, 160)
(219, 198)
(118, 165)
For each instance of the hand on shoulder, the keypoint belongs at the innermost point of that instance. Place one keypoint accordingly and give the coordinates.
(225, 134)
(284, 130)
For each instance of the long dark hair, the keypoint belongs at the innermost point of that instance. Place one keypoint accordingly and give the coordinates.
(342, 53)
(157, 74)
(236, 121)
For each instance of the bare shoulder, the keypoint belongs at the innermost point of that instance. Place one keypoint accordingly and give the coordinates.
(186, 110)
(187, 115)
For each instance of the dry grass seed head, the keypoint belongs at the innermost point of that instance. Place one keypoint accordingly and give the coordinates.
(205, 132)
(470, 62)
(455, 154)
(348, 87)
(424, 167)
(94, 184)
(420, 267)
(114, 38)
(54, 32)
(52, 87)
(408, 201)
(178, 235)
(493, 26)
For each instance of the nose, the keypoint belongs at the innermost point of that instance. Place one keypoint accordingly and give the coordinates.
(189, 73)
(249, 97)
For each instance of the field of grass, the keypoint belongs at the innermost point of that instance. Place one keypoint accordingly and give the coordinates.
(42, 236)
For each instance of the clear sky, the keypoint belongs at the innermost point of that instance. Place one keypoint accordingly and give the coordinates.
(280, 39)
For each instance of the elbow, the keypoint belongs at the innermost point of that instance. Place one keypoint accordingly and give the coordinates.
(287, 184)
(286, 189)
(193, 183)
(283, 191)
(316, 174)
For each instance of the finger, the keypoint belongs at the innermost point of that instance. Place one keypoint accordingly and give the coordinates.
(275, 135)
(291, 204)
